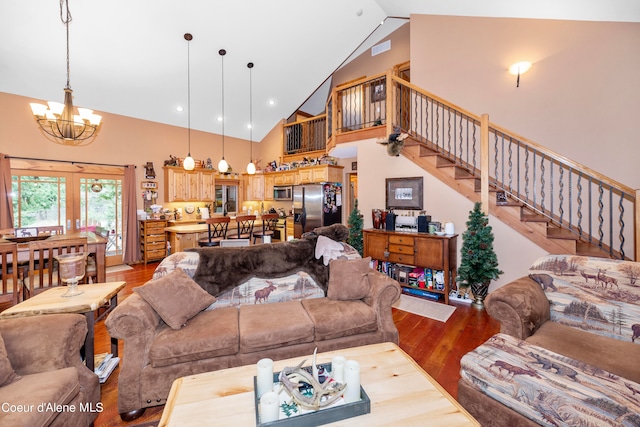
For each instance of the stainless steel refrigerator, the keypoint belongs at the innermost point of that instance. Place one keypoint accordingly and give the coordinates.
(316, 205)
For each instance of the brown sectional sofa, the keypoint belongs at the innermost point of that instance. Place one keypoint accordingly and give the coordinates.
(54, 387)
(565, 350)
(155, 354)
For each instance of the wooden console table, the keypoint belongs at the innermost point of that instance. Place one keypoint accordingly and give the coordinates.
(415, 249)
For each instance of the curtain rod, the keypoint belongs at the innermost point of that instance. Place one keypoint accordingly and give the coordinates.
(66, 161)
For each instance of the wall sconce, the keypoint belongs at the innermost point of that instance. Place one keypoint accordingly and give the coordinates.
(519, 68)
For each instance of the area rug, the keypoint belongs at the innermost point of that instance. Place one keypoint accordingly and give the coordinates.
(117, 268)
(424, 308)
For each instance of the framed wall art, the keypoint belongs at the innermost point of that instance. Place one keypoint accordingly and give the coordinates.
(404, 193)
(378, 91)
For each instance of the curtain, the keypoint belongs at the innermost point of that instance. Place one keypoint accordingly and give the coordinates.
(6, 206)
(131, 251)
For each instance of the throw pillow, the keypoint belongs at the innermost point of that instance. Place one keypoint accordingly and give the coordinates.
(7, 374)
(175, 297)
(348, 279)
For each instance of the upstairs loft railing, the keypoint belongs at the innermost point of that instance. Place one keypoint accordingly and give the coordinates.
(573, 198)
(306, 135)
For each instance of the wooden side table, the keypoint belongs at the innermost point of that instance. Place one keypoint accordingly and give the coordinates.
(51, 301)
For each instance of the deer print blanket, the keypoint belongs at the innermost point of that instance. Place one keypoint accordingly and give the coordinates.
(549, 388)
(598, 295)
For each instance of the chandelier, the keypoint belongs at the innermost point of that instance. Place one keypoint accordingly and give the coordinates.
(59, 120)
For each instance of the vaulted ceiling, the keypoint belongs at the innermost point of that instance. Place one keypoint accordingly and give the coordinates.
(129, 57)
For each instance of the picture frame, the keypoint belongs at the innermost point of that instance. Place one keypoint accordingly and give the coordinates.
(405, 193)
(378, 91)
(501, 198)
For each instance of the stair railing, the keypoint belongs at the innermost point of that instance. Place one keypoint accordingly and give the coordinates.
(571, 196)
(305, 135)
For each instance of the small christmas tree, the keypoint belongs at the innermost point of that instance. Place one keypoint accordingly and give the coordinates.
(479, 263)
(355, 229)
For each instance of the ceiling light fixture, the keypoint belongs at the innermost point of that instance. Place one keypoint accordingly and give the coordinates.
(223, 166)
(519, 68)
(189, 164)
(251, 167)
(59, 120)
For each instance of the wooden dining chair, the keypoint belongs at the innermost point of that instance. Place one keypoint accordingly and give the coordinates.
(10, 291)
(245, 227)
(269, 223)
(50, 229)
(216, 231)
(43, 267)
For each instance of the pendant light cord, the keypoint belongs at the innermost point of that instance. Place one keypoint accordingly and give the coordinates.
(189, 91)
(222, 52)
(250, 65)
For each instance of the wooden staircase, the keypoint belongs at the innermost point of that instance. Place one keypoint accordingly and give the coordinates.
(533, 226)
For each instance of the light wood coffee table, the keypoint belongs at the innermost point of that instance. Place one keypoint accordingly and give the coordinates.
(51, 301)
(401, 393)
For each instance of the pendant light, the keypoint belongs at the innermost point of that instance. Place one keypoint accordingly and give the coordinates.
(223, 166)
(189, 164)
(251, 167)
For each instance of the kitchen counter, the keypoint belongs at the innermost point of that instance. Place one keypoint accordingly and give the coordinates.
(186, 236)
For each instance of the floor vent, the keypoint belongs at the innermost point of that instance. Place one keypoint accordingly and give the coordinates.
(382, 47)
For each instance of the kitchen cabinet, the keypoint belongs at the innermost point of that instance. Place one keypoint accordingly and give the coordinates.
(188, 186)
(255, 187)
(320, 173)
(268, 187)
(285, 177)
(153, 244)
(427, 251)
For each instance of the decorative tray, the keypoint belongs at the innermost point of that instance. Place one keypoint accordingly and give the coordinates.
(339, 410)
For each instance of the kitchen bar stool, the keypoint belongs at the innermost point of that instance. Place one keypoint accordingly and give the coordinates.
(269, 222)
(245, 227)
(216, 231)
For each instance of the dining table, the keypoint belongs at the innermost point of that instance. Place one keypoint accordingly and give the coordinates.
(96, 245)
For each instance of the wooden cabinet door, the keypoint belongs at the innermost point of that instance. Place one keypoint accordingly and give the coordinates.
(320, 174)
(207, 186)
(305, 176)
(430, 252)
(290, 178)
(268, 187)
(376, 246)
(174, 185)
(192, 185)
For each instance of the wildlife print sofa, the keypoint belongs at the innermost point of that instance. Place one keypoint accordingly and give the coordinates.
(175, 325)
(568, 348)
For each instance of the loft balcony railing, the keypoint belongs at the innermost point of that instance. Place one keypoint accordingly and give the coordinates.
(572, 197)
(305, 136)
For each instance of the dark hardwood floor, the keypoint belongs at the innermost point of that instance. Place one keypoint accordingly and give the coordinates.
(437, 347)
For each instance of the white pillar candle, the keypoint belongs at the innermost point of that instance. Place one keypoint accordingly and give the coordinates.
(337, 368)
(264, 378)
(352, 378)
(269, 409)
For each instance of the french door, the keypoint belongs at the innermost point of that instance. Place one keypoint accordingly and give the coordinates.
(79, 201)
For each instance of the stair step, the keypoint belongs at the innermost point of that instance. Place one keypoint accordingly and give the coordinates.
(410, 141)
(527, 215)
(561, 233)
(477, 186)
(463, 174)
(443, 162)
(586, 249)
(426, 151)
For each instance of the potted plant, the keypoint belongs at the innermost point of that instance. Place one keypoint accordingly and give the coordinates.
(355, 229)
(479, 263)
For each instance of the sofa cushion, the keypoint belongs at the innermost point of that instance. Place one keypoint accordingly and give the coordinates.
(50, 388)
(209, 334)
(336, 319)
(7, 374)
(175, 297)
(268, 326)
(348, 279)
(608, 354)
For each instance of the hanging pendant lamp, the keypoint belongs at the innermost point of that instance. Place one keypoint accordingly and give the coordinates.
(251, 167)
(189, 164)
(223, 166)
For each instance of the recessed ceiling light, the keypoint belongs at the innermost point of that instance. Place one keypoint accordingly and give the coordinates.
(272, 102)
(179, 108)
(359, 12)
(249, 126)
(219, 118)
